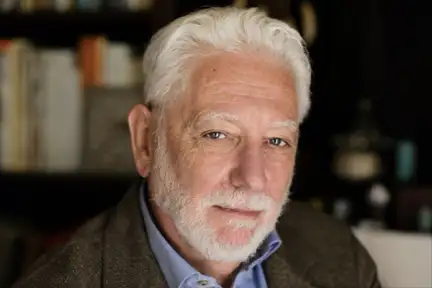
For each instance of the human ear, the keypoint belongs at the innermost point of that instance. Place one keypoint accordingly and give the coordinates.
(139, 120)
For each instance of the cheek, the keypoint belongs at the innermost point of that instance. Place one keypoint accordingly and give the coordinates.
(202, 171)
(279, 178)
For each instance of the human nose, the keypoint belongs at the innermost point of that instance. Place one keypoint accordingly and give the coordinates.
(249, 170)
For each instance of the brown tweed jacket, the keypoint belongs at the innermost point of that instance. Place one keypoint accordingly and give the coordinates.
(112, 251)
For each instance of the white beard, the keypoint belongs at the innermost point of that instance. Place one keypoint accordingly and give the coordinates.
(191, 220)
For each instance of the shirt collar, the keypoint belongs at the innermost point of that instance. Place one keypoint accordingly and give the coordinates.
(267, 248)
(173, 266)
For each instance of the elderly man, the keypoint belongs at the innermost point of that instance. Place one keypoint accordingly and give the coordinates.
(225, 92)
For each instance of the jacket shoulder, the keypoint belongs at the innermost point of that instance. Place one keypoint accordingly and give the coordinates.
(305, 219)
(76, 263)
(325, 249)
(317, 233)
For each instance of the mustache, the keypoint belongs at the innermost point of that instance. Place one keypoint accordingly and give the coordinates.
(239, 199)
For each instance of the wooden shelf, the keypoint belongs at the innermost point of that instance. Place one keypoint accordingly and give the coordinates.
(55, 28)
(56, 201)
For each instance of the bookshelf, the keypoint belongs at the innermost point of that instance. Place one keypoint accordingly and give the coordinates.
(53, 200)
(43, 201)
(38, 201)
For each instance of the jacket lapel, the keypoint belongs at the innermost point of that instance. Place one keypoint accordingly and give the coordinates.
(280, 272)
(292, 264)
(127, 258)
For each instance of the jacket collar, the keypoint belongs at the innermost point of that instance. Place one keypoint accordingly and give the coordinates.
(281, 272)
(127, 258)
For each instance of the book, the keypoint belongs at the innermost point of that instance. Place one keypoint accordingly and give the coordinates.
(42, 100)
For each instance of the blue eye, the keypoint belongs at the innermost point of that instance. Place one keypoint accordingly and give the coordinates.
(278, 142)
(215, 135)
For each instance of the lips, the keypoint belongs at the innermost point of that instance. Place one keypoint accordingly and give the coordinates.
(239, 212)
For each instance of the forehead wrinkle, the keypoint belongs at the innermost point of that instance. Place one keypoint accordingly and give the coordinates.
(253, 90)
(220, 116)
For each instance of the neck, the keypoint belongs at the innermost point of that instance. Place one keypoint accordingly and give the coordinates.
(223, 272)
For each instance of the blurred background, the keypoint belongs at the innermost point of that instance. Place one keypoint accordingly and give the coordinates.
(70, 70)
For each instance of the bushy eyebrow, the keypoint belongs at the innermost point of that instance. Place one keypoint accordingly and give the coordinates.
(226, 116)
(286, 124)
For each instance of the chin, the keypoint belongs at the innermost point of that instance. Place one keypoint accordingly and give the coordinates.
(226, 243)
(238, 244)
(235, 237)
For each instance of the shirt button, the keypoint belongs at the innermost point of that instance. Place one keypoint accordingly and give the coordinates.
(202, 282)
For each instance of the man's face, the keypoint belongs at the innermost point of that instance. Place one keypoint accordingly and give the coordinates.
(225, 157)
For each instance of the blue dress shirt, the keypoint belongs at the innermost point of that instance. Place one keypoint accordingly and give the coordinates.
(179, 274)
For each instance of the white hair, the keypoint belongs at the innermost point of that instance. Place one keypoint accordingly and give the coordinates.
(223, 29)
